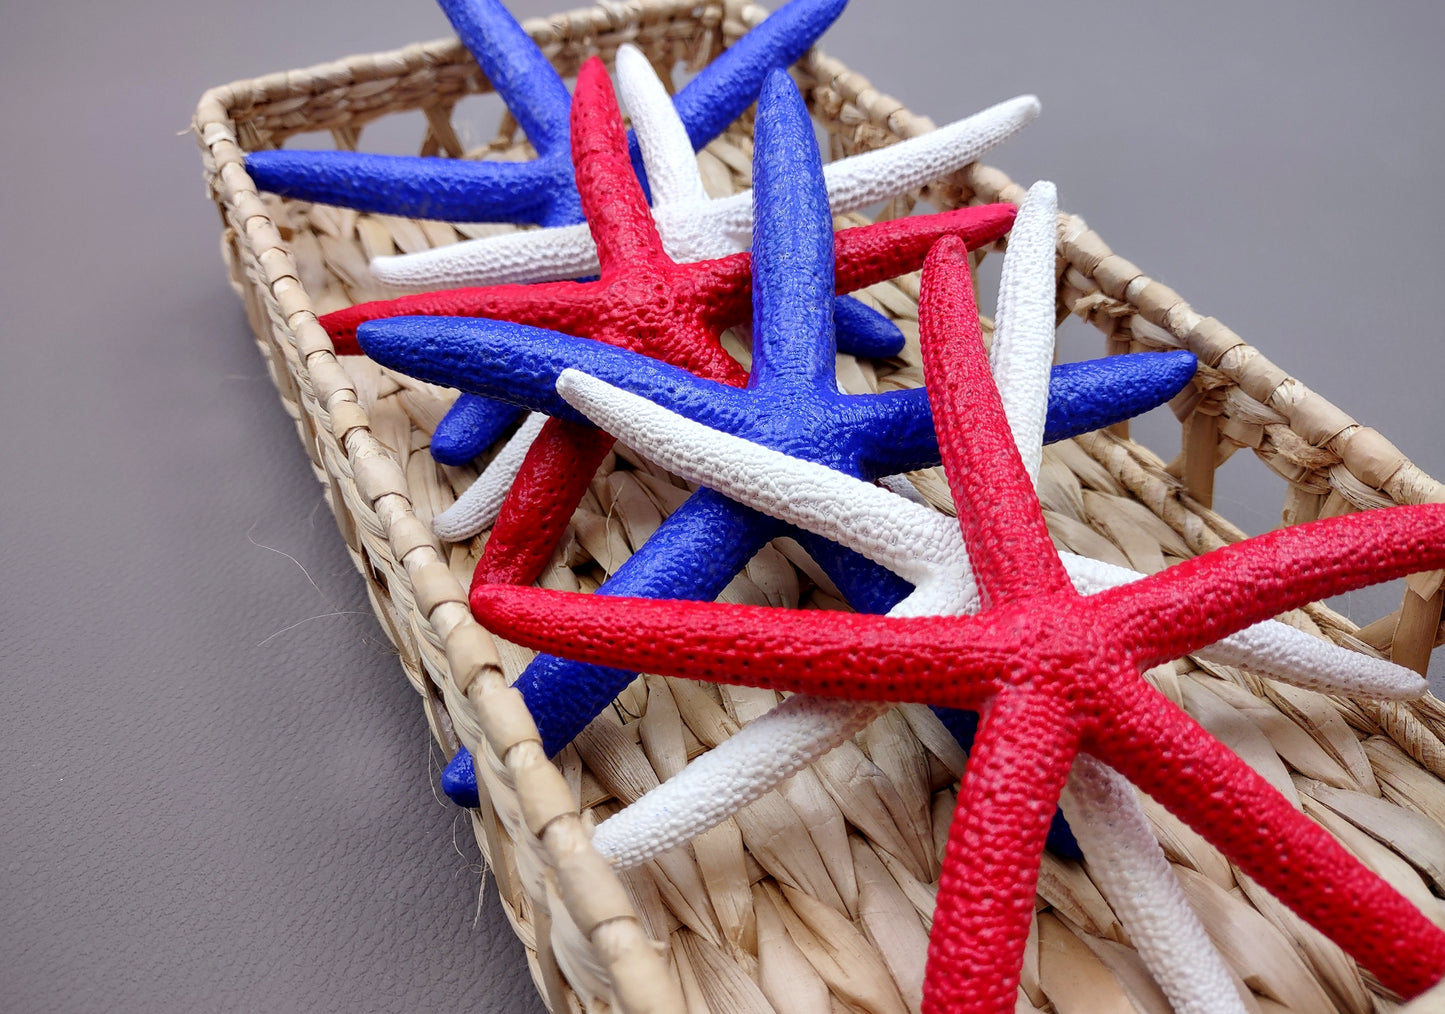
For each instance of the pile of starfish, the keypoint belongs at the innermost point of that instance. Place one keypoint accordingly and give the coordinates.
(978, 616)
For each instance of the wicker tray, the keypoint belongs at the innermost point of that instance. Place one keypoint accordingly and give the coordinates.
(822, 889)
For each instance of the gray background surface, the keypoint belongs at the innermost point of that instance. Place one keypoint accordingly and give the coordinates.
(215, 787)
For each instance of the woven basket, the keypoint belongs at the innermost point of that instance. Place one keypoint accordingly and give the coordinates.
(823, 888)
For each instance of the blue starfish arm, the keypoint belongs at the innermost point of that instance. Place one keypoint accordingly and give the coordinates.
(450, 189)
(792, 246)
(702, 546)
(1083, 397)
(470, 426)
(719, 94)
(459, 780)
(517, 69)
(1095, 393)
(863, 331)
(519, 364)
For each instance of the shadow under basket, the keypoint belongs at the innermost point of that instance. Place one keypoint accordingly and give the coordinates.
(831, 878)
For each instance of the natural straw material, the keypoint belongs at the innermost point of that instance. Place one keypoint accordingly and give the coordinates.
(819, 895)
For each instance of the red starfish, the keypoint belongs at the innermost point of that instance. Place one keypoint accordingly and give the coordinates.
(1055, 673)
(644, 301)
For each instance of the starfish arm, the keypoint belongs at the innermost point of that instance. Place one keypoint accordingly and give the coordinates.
(871, 588)
(871, 176)
(516, 67)
(451, 189)
(991, 862)
(863, 331)
(667, 151)
(516, 258)
(476, 509)
(914, 541)
(727, 86)
(1212, 596)
(1095, 393)
(1274, 649)
(1146, 738)
(868, 254)
(1135, 878)
(1080, 397)
(792, 246)
(551, 305)
(554, 476)
(612, 199)
(1023, 333)
(521, 364)
(719, 783)
(469, 427)
(803, 651)
(998, 511)
(702, 546)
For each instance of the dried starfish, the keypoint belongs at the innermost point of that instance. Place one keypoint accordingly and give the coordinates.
(791, 400)
(644, 301)
(927, 548)
(542, 191)
(1056, 674)
(693, 227)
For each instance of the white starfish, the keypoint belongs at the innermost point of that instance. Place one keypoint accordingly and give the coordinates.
(693, 227)
(926, 548)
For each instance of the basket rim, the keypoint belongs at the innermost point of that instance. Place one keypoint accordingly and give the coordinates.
(589, 890)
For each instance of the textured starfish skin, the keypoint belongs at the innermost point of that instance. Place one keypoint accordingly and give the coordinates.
(693, 225)
(540, 191)
(643, 301)
(927, 548)
(1056, 674)
(792, 400)
(543, 191)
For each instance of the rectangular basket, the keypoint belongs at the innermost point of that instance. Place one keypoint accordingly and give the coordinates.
(828, 883)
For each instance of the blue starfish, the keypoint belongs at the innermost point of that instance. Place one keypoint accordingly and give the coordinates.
(791, 403)
(542, 191)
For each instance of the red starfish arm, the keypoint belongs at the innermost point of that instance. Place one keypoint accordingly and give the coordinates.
(551, 482)
(1164, 752)
(863, 255)
(562, 306)
(849, 655)
(1197, 602)
(612, 199)
(998, 511)
(867, 254)
(1016, 771)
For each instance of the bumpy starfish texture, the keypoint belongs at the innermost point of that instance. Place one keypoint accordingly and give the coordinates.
(542, 191)
(1058, 673)
(694, 226)
(791, 401)
(927, 547)
(643, 301)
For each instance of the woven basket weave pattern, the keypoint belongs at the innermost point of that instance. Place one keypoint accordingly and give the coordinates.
(840, 862)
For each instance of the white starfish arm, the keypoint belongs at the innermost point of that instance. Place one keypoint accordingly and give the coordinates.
(534, 255)
(918, 543)
(763, 754)
(860, 180)
(725, 225)
(923, 546)
(667, 153)
(476, 509)
(1132, 872)
(1023, 336)
(1275, 649)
